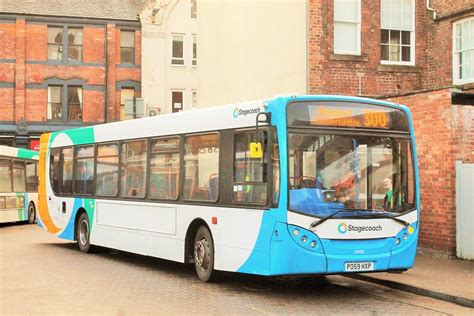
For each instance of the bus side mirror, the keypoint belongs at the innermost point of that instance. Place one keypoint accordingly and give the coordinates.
(256, 150)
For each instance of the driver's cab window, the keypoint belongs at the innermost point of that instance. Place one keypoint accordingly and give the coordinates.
(250, 183)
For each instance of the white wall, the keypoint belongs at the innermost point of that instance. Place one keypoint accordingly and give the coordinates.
(159, 77)
(250, 49)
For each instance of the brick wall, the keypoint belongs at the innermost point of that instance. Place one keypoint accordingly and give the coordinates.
(7, 35)
(339, 74)
(346, 74)
(444, 133)
(24, 69)
(7, 97)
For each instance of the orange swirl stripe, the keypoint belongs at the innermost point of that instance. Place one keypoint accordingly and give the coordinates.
(43, 203)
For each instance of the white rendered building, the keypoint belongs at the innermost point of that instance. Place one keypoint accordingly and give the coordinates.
(169, 44)
(251, 49)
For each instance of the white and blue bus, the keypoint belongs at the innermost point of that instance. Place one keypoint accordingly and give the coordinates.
(290, 185)
(18, 184)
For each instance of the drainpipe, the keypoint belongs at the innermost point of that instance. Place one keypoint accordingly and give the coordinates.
(106, 103)
(429, 8)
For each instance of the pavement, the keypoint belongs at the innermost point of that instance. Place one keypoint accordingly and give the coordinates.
(451, 280)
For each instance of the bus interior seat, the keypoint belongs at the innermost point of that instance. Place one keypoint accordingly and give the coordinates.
(213, 186)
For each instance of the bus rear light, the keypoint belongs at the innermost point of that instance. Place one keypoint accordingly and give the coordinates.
(214, 220)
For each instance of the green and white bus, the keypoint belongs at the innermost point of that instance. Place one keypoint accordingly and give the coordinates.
(18, 184)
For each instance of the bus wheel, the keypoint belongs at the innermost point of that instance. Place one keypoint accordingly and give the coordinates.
(204, 254)
(31, 214)
(83, 233)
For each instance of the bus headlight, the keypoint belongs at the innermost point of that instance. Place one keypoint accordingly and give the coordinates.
(304, 239)
(397, 241)
(296, 232)
(313, 244)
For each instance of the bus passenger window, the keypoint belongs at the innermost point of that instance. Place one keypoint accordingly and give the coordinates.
(249, 182)
(107, 170)
(164, 169)
(66, 182)
(134, 155)
(54, 169)
(84, 170)
(31, 179)
(5, 176)
(276, 170)
(18, 172)
(201, 167)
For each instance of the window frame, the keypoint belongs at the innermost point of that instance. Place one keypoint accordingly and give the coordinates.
(35, 164)
(412, 61)
(455, 53)
(10, 172)
(75, 159)
(81, 58)
(65, 44)
(180, 165)
(146, 173)
(194, 51)
(62, 171)
(96, 152)
(182, 101)
(358, 25)
(132, 47)
(183, 167)
(81, 104)
(265, 167)
(22, 162)
(48, 43)
(183, 58)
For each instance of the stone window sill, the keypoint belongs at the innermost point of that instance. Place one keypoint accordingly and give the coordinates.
(356, 58)
(398, 68)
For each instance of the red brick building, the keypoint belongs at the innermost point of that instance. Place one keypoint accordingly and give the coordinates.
(418, 53)
(65, 64)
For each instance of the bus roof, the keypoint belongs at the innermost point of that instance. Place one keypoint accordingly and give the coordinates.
(237, 115)
(22, 153)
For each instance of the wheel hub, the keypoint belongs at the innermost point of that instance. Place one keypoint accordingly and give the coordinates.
(201, 253)
(84, 233)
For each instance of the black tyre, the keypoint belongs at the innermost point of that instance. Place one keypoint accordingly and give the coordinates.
(31, 213)
(204, 254)
(83, 233)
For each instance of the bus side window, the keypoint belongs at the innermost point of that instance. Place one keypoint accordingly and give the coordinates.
(133, 162)
(107, 170)
(31, 182)
(84, 170)
(249, 173)
(66, 177)
(54, 169)
(19, 176)
(201, 167)
(275, 156)
(164, 169)
(5, 176)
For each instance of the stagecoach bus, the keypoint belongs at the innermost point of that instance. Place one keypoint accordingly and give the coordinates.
(18, 184)
(289, 185)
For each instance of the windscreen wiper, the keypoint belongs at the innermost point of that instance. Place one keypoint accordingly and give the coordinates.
(401, 221)
(322, 220)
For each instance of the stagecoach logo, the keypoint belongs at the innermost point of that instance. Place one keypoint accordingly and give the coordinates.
(239, 112)
(343, 228)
